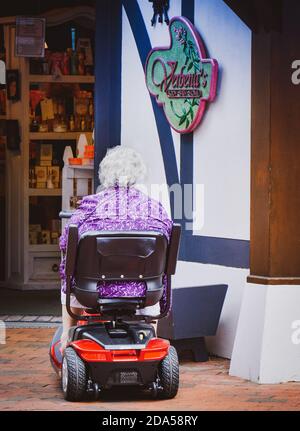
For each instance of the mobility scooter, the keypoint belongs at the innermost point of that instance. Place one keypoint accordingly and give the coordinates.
(111, 345)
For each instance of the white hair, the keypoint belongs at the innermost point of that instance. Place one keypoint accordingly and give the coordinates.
(121, 166)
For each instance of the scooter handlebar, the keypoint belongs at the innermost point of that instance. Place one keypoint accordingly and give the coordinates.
(65, 214)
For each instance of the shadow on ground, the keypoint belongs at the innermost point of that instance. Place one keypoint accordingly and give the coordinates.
(40, 303)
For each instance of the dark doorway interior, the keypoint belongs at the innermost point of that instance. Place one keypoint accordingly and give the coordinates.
(33, 7)
(2, 206)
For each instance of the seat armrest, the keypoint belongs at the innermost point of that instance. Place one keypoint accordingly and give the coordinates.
(173, 249)
(71, 250)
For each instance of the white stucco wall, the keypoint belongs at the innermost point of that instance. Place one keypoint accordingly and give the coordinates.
(221, 143)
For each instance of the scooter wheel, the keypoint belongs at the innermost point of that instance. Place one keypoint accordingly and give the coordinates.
(73, 376)
(168, 372)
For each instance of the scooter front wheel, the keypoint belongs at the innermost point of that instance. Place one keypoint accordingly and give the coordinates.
(73, 376)
(168, 372)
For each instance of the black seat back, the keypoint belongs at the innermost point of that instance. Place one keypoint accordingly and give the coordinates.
(120, 255)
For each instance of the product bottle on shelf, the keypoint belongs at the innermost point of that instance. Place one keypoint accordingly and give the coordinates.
(66, 63)
(32, 179)
(72, 123)
(82, 124)
(81, 62)
(47, 62)
(74, 63)
(91, 115)
(34, 127)
(69, 54)
(91, 108)
(77, 122)
(50, 184)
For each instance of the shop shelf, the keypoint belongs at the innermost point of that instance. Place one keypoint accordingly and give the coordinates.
(44, 247)
(56, 135)
(44, 192)
(71, 79)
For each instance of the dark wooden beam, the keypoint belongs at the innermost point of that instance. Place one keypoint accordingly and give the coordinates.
(275, 170)
(258, 14)
(260, 154)
(245, 10)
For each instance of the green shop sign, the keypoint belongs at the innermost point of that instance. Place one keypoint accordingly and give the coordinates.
(180, 76)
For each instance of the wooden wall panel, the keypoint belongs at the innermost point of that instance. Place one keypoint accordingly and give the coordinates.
(260, 155)
(285, 140)
(275, 184)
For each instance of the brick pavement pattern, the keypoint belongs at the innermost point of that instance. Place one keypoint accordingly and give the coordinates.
(28, 382)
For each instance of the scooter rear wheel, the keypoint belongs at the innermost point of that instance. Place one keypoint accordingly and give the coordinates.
(73, 376)
(168, 372)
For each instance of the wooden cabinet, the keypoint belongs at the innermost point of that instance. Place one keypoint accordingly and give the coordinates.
(43, 266)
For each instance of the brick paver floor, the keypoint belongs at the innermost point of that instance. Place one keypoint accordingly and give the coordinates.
(28, 382)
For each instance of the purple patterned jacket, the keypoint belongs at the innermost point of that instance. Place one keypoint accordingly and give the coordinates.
(118, 209)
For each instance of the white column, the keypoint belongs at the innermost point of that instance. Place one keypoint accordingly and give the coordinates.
(267, 342)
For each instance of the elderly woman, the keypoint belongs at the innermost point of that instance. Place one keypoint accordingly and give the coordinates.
(119, 205)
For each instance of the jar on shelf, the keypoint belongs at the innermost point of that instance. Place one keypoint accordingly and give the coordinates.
(43, 127)
(34, 126)
(59, 126)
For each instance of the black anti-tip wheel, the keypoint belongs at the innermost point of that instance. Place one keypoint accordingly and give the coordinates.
(168, 372)
(73, 376)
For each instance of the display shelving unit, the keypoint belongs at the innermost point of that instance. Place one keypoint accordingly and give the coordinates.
(35, 266)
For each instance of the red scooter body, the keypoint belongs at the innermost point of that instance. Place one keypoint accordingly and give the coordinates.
(122, 363)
